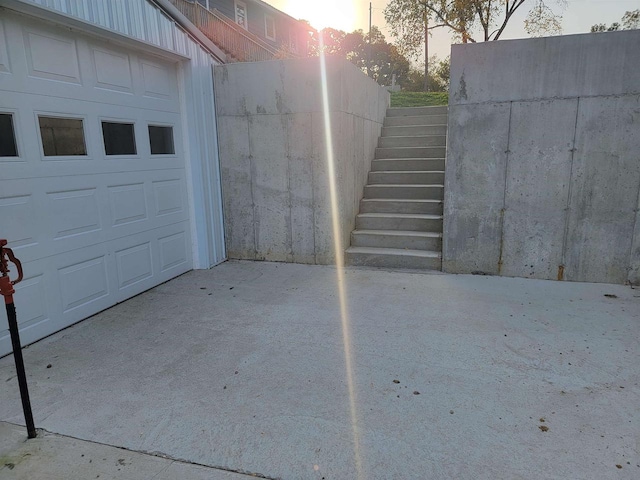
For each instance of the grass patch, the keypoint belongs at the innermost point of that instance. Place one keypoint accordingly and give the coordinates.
(419, 99)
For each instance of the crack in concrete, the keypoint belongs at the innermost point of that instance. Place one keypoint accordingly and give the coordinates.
(158, 454)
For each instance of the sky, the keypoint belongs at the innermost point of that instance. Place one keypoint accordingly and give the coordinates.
(349, 15)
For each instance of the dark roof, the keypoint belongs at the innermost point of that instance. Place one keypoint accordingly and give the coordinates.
(274, 9)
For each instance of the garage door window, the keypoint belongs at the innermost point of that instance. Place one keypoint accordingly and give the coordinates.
(161, 140)
(7, 136)
(62, 136)
(119, 138)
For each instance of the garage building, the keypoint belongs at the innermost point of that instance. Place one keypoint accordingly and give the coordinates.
(110, 179)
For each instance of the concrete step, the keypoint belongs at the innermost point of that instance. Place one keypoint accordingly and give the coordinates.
(410, 152)
(386, 205)
(407, 131)
(413, 141)
(406, 178)
(427, 192)
(419, 222)
(408, 164)
(417, 120)
(414, 111)
(431, 241)
(393, 258)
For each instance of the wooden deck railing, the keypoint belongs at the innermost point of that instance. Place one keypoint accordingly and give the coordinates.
(234, 40)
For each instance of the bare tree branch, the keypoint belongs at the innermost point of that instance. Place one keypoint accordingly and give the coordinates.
(507, 15)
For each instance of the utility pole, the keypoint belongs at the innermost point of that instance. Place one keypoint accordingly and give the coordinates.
(369, 55)
(426, 51)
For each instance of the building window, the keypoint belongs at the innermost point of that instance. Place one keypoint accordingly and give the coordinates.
(241, 14)
(119, 138)
(269, 28)
(62, 136)
(8, 146)
(161, 140)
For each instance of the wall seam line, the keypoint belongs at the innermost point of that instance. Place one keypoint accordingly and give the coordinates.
(313, 191)
(253, 202)
(633, 236)
(287, 137)
(504, 194)
(565, 236)
(547, 99)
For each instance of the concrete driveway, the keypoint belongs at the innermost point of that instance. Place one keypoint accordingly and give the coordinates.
(242, 368)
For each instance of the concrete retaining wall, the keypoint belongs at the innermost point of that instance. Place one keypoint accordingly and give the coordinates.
(543, 161)
(273, 155)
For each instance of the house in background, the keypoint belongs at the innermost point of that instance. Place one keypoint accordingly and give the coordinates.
(268, 23)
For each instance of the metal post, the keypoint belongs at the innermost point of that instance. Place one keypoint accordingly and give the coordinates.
(7, 290)
(426, 50)
(369, 46)
(22, 377)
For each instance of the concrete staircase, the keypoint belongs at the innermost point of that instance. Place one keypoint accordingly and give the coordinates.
(400, 219)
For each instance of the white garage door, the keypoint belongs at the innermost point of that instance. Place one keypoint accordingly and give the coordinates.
(92, 186)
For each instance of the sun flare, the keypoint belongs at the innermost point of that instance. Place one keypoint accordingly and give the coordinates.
(339, 14)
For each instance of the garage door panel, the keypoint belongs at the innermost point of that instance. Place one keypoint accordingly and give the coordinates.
(83, 283)
(169, 198)
(64, 90)
(92, 230)
(16, 172)
(140, 263)
(173, 249)
(63, 289)
(36, 306)
(26, 125)
(17, 205)
(72, 212)
(113, 70)
(128, 203)
(51, 57)
(134, 265)
(27, 150)
(68, 65)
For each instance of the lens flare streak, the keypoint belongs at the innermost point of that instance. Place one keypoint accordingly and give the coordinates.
(338, 247)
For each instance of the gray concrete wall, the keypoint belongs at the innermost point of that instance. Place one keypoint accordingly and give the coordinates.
(274, 158)
(543, 161)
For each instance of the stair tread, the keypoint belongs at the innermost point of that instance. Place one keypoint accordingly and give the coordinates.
(420, 136)
(376, 172)
(407, 185)
(416, 116)
(409, 200)
(414, 126)
(407, 158)
(394, 251)
(430, 114)
(429, 216)
(409, 233)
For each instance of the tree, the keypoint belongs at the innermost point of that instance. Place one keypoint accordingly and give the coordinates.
(372, 54)
(438, 80)
(630, 21)
(410, 20)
